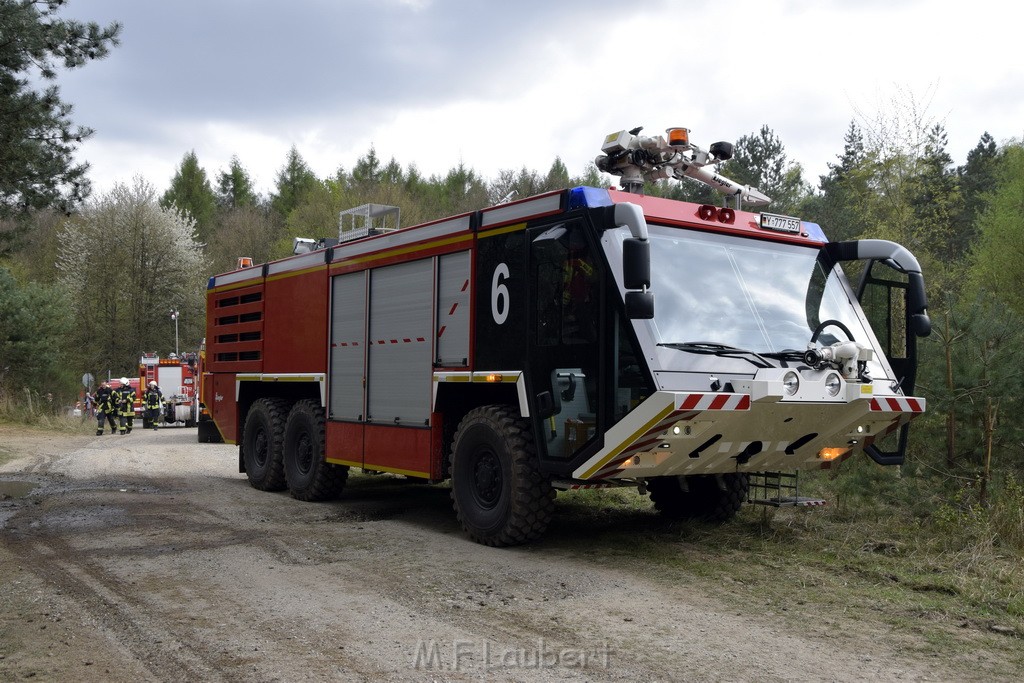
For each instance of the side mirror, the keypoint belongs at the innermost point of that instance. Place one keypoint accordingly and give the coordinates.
(640, 305)
(636, 263)
(920, 325)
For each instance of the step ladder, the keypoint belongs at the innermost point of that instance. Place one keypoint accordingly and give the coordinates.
(778, 489)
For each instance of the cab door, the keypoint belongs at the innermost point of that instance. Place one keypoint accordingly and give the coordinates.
(564, 323)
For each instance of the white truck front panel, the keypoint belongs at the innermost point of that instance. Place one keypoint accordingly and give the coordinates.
(712, 433)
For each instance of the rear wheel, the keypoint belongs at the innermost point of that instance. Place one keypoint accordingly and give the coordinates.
(309, 475)
(262, 444)
(498, 491)
(703, 496)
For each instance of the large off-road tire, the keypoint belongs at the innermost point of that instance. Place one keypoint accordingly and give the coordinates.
(498, 491)
(704, 500)
(263, 444)
(309, 476)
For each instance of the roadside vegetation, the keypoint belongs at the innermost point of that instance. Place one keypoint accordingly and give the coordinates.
(897, 546)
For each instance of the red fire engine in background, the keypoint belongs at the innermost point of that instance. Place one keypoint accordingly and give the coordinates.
(517, 350)
(176, 377)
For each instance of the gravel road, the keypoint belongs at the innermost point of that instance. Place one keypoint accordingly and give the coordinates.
(147, 557)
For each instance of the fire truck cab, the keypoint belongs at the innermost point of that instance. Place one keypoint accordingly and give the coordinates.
(580, 338)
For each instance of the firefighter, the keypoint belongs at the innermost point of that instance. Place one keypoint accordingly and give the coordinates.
(151, 404)
(125, 397)
(105, 408)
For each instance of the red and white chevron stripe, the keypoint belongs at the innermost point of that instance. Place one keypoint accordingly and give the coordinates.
(897, 404)
(713, 402)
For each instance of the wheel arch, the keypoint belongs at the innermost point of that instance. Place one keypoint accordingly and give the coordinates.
(454, 399)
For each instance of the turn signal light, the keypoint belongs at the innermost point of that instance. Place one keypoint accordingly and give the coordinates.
(829, 454)
(494, 378)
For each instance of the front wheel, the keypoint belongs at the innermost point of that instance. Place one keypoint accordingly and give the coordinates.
(498, 491)
(310, 477)
(708, 497)
(262, 451)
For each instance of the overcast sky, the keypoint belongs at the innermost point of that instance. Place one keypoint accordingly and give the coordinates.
(513, 84)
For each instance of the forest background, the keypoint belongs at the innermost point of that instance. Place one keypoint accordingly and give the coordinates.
(88, 283)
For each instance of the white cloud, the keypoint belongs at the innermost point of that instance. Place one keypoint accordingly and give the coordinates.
(436, 83)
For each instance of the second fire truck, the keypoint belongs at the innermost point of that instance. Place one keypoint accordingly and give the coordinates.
(176, 377)
(576, 339)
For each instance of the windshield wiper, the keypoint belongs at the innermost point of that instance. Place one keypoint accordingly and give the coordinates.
(725, 351)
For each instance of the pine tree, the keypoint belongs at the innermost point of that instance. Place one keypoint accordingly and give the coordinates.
(34, 322)
(760, 160)
(557, 177)
(37, 136)
(367, 170)
(999, 255)
(235, 187)
(293, 181)
(936, 202)
(977, 180)
(190, 193)
(836, 206)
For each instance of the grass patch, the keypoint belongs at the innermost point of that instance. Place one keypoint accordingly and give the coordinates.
(902, 552)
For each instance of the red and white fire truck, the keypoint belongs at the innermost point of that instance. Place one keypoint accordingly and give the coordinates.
(576, 339)
(176, 377)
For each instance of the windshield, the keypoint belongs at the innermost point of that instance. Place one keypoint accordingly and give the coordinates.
(759, 296)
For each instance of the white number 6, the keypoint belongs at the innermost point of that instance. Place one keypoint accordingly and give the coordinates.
(499, 294)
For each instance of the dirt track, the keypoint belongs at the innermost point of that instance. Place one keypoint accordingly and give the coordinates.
(148, 557)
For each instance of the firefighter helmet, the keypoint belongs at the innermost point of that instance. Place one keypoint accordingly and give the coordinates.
(124, 380)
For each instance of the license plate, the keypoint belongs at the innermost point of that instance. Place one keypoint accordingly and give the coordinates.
(771, 221)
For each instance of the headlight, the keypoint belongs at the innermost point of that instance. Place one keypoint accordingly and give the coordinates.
(791, 382)
(833, 384)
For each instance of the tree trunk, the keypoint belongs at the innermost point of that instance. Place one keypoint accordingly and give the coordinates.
(951, 411)
(990, 428)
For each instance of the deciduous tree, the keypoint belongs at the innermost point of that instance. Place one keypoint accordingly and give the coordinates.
(124, 264)
(246, 231)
